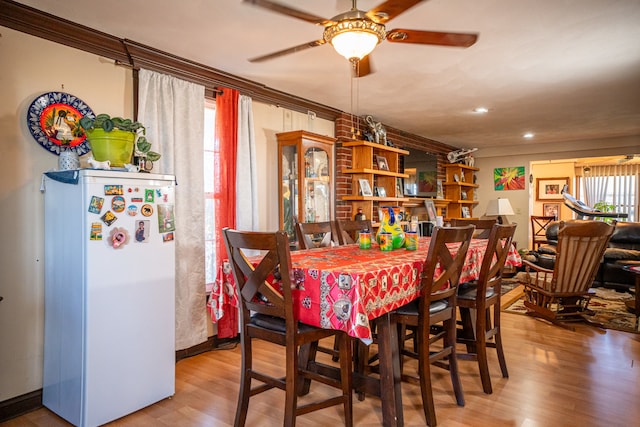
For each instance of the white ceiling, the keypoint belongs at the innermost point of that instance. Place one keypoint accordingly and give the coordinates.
(563, 69)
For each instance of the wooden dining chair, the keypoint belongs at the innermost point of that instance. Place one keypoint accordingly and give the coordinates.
(267, 313)
(313, 235)
(539, 225)
(433, 315)
(348, 229)
(479, 299)
(563, 293)
(316, 234)
(346, 232)
(483, 226)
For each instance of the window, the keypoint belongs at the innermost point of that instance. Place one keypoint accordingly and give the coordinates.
(614, 185)
(209, 220)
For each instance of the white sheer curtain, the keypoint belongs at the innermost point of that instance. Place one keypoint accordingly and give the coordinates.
(173, 112)
(246, 174)
(614, 184)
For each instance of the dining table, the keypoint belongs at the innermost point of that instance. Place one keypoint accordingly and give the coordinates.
(348, 288)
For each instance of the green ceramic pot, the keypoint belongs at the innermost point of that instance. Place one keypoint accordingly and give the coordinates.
(115, 146)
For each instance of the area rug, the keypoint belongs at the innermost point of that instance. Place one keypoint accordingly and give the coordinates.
(508, 284)
(608, 305)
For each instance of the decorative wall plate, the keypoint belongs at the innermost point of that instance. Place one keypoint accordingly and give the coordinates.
(53, 119)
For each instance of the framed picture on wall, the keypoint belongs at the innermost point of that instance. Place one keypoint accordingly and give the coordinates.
(511, 178)
(427, 181)
(550, 188)
(551, 209)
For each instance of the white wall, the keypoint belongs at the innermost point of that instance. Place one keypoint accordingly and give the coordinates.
(268, 121)
(519, 199)
(33, 66)
(38, 66)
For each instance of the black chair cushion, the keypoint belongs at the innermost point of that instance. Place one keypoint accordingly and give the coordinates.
(276, 323)
(468, 291)
(412, 308)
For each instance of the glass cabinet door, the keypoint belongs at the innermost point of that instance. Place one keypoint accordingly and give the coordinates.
(317, 186)
(289, 189)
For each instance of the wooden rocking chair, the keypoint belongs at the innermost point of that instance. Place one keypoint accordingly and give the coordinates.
(563, 293)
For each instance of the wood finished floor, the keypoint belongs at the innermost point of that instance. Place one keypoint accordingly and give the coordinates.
(557, 378)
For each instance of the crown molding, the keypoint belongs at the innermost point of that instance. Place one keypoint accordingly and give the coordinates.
(126, 52)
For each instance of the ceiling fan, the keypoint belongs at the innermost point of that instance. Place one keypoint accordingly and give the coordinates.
(354, 34)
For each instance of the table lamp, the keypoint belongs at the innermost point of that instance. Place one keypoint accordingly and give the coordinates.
(500, 208)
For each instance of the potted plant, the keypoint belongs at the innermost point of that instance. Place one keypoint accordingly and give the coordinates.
(113, 139)
(603, 206)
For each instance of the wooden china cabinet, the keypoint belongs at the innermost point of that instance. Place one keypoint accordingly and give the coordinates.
(306, 179)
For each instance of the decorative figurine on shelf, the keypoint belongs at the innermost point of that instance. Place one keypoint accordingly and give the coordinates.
(106, 165)
(379, 132)
(459, 155)
(390, 224)
(360, 215)
(368, 136)
(131, 167)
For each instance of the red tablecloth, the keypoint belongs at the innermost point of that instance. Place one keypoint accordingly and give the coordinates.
(344, 287)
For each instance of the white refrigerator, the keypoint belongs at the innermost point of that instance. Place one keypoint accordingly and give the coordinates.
(109, 345)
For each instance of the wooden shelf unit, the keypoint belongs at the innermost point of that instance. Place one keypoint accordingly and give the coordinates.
(459, 182)
(416, 204)
(363, 158)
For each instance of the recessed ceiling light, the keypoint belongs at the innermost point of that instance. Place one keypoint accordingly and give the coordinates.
(481, 110)
(528, 135)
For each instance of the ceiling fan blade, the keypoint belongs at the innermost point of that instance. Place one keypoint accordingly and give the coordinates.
(432, 37)
(363, 67)
(390, 9)
(288, 51)
(289, 11)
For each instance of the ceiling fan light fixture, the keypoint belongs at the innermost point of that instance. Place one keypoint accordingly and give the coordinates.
(354, 38)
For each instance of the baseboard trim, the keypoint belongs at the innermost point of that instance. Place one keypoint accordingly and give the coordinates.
(212, 343)
(208, 345)
(20, 405)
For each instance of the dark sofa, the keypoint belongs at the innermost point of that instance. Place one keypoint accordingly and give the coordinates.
(623, 249)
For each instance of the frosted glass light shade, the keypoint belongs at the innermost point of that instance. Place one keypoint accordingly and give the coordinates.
(354, 36)
(354, 44)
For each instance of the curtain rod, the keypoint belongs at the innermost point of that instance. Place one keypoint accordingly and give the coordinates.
(212, 92)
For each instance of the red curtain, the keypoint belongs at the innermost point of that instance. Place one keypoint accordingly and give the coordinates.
(225, 190)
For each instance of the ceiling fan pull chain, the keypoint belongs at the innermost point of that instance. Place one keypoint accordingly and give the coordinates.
(353, 129)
